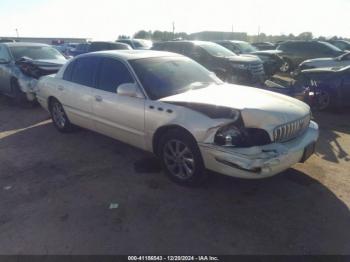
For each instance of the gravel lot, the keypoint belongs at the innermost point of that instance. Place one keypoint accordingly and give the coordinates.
(56, 191)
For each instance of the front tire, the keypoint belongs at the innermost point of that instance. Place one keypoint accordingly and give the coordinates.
(59, 117)
(181, 158)
(323, 100)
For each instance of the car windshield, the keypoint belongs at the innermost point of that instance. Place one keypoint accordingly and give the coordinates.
(140, 43)
(36, 52)
(166, 76)
(246, 47)
(216, 50)
(334, 48)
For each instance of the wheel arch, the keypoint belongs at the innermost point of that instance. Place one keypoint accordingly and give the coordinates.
(50, 99)
(163, 130)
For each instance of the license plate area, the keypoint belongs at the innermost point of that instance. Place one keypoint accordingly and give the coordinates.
(308, 151)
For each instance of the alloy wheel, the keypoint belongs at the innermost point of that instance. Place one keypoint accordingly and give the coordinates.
(179, 159)
(285, 67)
(58, 115)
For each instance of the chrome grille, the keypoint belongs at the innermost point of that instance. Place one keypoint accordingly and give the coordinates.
(291, 130)
(257, 69)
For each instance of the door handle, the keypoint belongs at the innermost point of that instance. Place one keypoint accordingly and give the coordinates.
(98, 98)
(60, 88)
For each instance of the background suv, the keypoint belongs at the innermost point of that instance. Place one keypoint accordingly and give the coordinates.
(225, 64)
(272, 61)
(295, 52)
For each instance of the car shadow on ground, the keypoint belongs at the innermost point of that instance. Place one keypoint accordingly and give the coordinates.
(59, 188)
(332, 125)
(13, 117)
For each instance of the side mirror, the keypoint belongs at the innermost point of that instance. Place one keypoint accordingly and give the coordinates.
(129, 89)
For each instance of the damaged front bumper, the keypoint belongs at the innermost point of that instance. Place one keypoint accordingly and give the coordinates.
(258, 162)
(28, 86)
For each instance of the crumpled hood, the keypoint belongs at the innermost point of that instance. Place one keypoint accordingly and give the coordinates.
(49, 64)
(259, 108)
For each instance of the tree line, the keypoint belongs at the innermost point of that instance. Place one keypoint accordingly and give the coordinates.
(166, 36)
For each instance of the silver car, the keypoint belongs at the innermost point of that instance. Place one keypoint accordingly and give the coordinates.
(22, 64)
(170, 105)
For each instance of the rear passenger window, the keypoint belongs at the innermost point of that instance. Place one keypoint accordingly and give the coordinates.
(84, 71)
(67, 75)
(112, 74)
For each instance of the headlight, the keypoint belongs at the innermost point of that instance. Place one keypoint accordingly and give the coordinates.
(229, 136)
(240, 66)
(239, 136)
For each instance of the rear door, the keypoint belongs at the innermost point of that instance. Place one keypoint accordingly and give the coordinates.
(76, 90)
(120, 117)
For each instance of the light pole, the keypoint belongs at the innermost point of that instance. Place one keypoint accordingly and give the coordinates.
(173, 29)
(17, 33)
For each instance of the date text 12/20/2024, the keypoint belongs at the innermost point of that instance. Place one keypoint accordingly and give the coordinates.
(173, 258)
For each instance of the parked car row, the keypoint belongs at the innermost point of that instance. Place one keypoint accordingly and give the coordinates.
(228, 66)
(121, 44)
(172, 106)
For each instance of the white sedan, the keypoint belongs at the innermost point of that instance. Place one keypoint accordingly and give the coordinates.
(170, 105)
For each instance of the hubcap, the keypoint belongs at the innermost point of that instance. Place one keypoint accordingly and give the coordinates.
(58, 115)
(179, 159)
(323, 100)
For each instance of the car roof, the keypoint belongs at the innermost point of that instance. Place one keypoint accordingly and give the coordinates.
(23, 44)
(132, 54)
(195, 42)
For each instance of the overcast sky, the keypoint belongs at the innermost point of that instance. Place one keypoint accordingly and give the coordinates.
(106, 19)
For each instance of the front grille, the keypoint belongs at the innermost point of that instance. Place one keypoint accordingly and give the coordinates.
(257, 69)
(291, 130)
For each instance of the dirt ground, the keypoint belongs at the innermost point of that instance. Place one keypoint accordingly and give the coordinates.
(56, 190)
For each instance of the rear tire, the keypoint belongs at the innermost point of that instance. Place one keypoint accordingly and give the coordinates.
(181, 158)
(59, 117)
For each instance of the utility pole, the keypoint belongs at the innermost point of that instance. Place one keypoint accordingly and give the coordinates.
(258, 33)
(17, 33)
(232, 32)
(174, 30)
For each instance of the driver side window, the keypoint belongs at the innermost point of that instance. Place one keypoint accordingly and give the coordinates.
(112, 74)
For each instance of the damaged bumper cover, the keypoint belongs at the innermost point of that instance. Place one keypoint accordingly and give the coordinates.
(261, 161)
(28, 86)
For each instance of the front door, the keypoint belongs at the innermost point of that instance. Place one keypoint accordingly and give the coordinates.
(120, 117)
